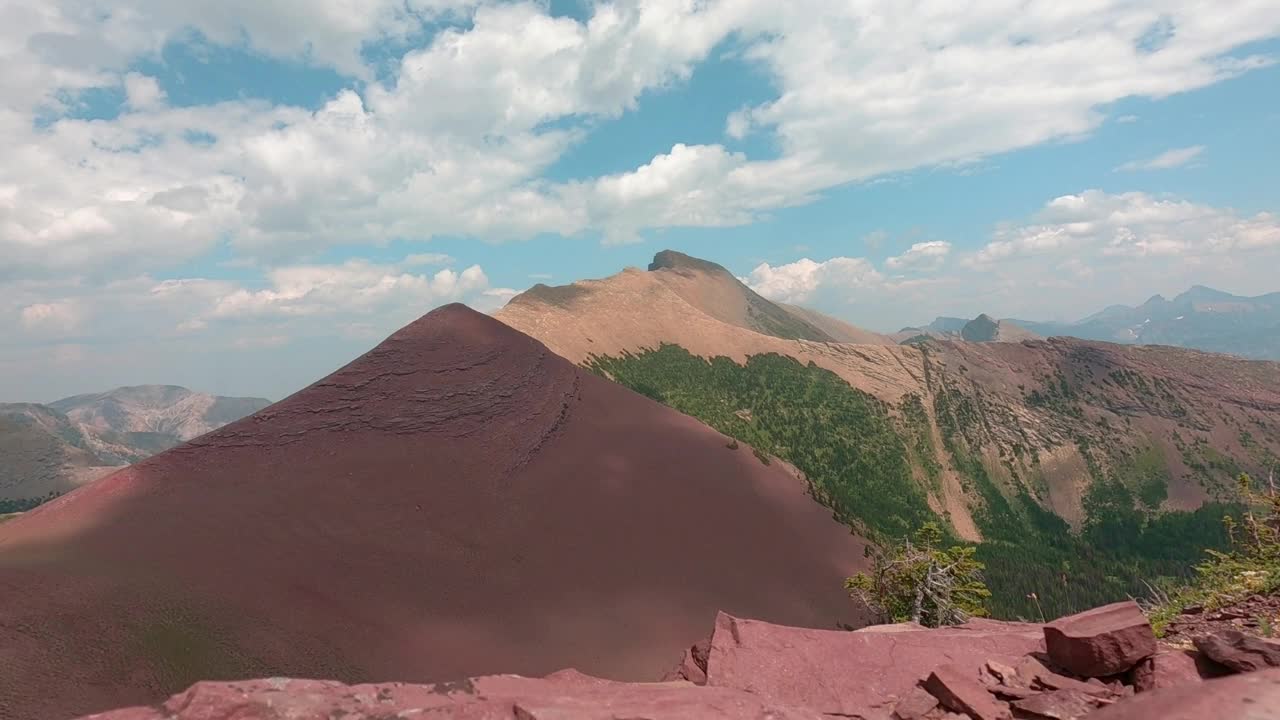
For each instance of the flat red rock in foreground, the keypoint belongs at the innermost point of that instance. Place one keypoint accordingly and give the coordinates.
(485, 698)
(457, 502)
(993, 690)
(854, 674)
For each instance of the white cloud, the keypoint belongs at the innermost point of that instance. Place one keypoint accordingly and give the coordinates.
(55, 317)
(455, 142)
(921, 256)
(1125, 119)
(421, 259)
(191, 331)
(142, 92)
(353, 287)
(872, 88)
(1166, 160)
(494, 298)
(1079, 253)
(1131, 224)
(799, 281)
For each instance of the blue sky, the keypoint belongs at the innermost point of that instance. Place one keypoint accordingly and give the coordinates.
(240, 200)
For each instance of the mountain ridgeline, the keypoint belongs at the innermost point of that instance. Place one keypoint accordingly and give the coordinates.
(1082, 469)
(47, 450)
(1201, 318)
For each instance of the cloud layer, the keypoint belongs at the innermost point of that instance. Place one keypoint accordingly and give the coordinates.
(1166, 160)
(1077, 254)
(455, 140)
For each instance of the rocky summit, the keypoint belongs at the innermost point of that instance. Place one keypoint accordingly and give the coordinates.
(753, 670)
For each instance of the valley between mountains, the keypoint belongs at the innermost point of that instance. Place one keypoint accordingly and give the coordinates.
(1086, 471)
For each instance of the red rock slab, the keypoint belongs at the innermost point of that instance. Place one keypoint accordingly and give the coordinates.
(915, 706)
(1103, 641)
(1058, 705)
(851, 673)
(1250, 696)
(558, 697)
(957, 688)
(458, 502)
(1036, 675)
(1172, 667)
(1239, 651)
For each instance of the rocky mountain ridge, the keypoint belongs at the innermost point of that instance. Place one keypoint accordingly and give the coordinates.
(983, 328)
(1027, 446)
(54, 448)
(1046, 417)
(1200, 318)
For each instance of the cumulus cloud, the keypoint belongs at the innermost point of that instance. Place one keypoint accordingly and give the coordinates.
(142, 92)
(799, 281)
(454, 140)
(1135, 224)
(1077, 254)
(921, 256)
(52, 317)
(353, 287)
(1166, 160)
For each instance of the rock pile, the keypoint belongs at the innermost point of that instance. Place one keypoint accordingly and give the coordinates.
(1103, 664)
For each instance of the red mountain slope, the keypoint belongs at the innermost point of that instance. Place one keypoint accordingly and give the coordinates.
(459, 501)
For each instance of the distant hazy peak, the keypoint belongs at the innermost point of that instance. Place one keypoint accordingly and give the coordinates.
(980, 329)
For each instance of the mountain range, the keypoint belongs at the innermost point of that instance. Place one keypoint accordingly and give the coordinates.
(1201, 318)
(1023, 446)
(589, 476)
(50, 449)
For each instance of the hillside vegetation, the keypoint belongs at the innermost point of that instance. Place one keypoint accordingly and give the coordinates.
(874, 465)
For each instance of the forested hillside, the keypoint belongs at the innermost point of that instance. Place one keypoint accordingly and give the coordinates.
(874, 464)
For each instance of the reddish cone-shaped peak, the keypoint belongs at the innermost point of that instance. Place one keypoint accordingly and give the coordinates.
(458, 501)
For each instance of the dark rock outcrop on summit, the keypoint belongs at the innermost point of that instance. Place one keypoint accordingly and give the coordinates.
(457, 502)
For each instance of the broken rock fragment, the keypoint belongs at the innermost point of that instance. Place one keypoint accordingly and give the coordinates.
(1058, 705)
(1240, 652)
(915, 706)
(960, 691)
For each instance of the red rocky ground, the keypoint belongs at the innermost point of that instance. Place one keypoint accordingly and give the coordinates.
(754, 670)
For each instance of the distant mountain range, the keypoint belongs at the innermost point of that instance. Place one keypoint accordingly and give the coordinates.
(983, 328)
(1201, 318)
(50, 449)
